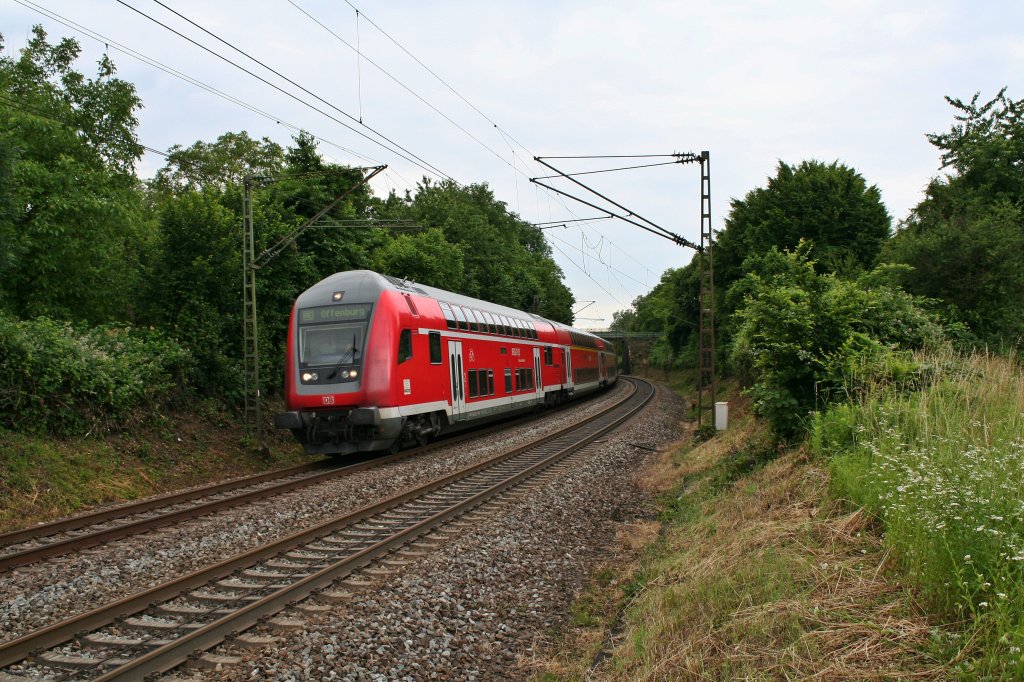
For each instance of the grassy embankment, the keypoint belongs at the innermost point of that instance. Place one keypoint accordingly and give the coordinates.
(887, 547)
(43, 478)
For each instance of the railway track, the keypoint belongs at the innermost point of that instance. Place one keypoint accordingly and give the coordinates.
(157, 630)
(43, 541)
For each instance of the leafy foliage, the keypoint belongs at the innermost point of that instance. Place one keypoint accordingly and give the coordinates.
(802, 336)
(829, 206)
(227, 160)
(504, 259)
(56, 379)
(964, 240)
(69, 207)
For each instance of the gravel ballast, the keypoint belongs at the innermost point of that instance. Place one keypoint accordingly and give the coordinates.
(487, 601)
(38, 595)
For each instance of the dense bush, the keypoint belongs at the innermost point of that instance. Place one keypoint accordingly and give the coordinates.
(802, 336)
(59, 380)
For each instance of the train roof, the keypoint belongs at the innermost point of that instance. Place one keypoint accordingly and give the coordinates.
(366, 284)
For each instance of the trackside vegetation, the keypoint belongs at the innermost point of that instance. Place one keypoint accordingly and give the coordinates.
(59, 380)
(864, 517)
(938, 459)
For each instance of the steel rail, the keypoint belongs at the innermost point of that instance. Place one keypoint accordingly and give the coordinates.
(182, 649)
(54, 548)
(61, 632)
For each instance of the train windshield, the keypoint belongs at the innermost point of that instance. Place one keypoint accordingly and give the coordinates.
(332, 335)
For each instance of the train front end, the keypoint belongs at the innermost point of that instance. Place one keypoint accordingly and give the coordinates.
(335, 378)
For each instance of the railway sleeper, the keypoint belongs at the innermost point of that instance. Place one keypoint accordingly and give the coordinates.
(151, 624)
(100, 640)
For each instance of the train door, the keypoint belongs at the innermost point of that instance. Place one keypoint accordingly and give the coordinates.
(458, 387)
(567, 353)
(538, 377)
(600, 365)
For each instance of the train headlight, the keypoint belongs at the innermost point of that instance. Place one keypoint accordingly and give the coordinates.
(353, 374)
(308, 377)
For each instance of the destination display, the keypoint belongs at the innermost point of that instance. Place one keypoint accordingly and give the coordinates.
(335, 313)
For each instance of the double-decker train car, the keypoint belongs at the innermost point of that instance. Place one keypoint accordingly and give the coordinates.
(375, 363)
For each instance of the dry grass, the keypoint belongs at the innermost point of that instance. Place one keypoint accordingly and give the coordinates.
(761, 579)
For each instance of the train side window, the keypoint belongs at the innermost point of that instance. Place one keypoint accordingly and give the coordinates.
(474, 322)
(404, 345)
(508, 380)
(516, 329)
(481, 321)
(463, 322)
(449, 316)
(548, 356)
(490, 382)
(435, 348)
(490, 323)
(473, 391)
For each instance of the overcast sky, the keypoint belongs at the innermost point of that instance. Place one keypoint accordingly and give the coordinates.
(858, 81)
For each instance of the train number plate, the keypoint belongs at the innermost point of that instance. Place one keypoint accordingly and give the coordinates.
(328, 400)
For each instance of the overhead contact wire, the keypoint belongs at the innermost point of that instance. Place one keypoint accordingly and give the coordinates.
(135, 54)
(289, 80)
(427, 167)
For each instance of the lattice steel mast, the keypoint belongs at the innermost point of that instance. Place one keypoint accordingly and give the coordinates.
(250, 264)
(706, 382)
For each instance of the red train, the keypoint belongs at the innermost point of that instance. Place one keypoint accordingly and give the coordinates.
(375, 363)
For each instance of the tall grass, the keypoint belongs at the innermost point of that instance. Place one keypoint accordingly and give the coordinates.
(943, 467)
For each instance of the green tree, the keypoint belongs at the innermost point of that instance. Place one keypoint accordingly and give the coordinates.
(830, 206)
(505, 259)
(227, 160)
(193, 290)
(70, 203)
(964, 240)
(425, 257)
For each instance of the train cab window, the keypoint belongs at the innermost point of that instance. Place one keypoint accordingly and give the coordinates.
(449, 316)
(473, 389)
(435, 348)
(548, 356)
(508, 380)
(404, 345)
(461, 316)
